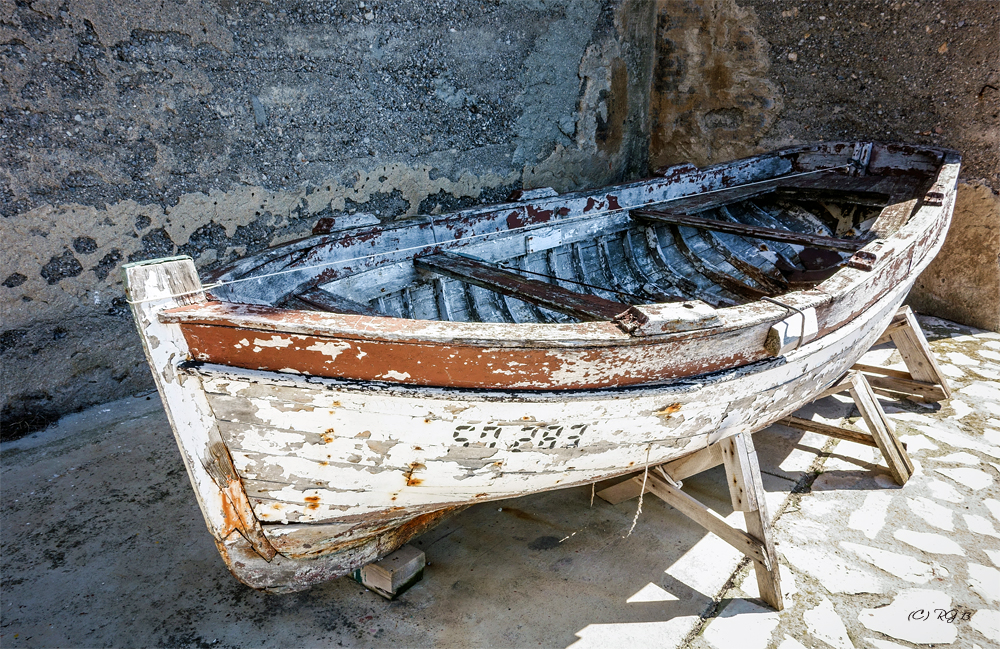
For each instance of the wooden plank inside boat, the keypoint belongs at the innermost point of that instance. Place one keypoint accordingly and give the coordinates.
(757, 232)
(550, 296)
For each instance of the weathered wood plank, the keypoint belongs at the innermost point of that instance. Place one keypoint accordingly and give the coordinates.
(828, 430)
(705, 517)
(928, 391)
(550, 296)
(881, 428)
(327, 301)
(916, 353)
(738, 473)
(679, 469)
(757, 232)
(718, 277)
(755, 513)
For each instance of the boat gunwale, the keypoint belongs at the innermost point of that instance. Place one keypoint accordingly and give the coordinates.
(597, 334)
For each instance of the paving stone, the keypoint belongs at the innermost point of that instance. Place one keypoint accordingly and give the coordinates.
(900, 619)
(788, 588)
(972, 478)
(987, 622)
(900, 565)
(993, 506)
(985, 581)
(790, 643)
(944, 491)
(959, 458)
(934, 514)
(917, 443)
(835, 573)
(960, 408)
(929, 542)
(958, 439)
(741, 624)
(980, 525)
(824, 624)
(884, 644)
(870, 517)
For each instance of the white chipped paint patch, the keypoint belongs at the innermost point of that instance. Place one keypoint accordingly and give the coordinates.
(397, 376)
(331, 349)
(276, 341)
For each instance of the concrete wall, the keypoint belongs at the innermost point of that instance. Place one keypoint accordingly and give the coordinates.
(134, 130)
(214, 128)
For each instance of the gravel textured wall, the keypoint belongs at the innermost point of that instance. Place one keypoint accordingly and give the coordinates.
(140, 129)
(214, 128)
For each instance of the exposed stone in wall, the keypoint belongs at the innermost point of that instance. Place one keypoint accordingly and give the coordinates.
(711, 98)
(925, 72)
(963, 282)
(144, 129)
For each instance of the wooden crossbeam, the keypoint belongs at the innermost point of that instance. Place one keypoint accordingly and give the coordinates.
(327, 301)
(828, 430)
(705, 517)
(550, 296)
(679, 469)
(769, 234)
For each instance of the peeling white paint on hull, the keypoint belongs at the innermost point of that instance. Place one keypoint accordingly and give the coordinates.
(321, 451)
(320, 441)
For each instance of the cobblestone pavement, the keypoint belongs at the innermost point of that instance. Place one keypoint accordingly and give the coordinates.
(866, 563)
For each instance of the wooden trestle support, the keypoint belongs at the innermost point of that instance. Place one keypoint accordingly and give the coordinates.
(924, 380)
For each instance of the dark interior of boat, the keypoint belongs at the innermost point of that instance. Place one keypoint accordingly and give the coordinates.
(720, 249)
(724, 248)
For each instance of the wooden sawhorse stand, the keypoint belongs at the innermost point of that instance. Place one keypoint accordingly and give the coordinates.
(737, 453)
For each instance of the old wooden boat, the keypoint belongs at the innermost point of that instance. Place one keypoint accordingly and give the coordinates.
(336, 395)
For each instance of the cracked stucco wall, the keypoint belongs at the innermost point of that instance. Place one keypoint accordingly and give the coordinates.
(144, 129)
(215, 128)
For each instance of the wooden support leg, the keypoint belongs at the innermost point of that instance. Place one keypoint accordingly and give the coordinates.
(924, 378)
(916, 353)
(679, 469)
(747, 491)
(881, 429)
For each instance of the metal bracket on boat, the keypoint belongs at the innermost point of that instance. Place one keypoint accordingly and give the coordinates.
(860, 157)
(673, 317)
(865, 259)
(790, 333)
